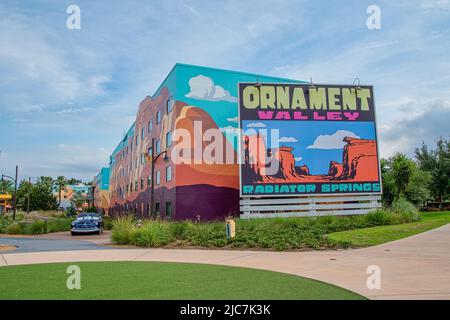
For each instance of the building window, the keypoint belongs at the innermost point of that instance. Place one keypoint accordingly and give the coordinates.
(142, 134)
(168, 210)
(142, 158)
(149, 180)
(149, 152)
(137, 139)
(168, 139)
(169, 173)
(142, 184)
(158, 117)
(157, 147)
(136, 186)
(158, 177)
(150, 125)
(157, 211)
(169, 105)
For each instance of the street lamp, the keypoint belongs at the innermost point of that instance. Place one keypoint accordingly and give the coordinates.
(153, 160)
(15, 190)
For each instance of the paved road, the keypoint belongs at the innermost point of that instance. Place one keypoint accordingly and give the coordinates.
(58, 241)
(39, 245)
(417, 267)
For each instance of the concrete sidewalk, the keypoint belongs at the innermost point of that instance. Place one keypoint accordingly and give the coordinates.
(417, 267)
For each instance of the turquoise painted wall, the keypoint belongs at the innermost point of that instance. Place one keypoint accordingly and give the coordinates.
(216, 91)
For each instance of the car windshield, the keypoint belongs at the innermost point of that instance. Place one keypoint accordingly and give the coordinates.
(88, 217)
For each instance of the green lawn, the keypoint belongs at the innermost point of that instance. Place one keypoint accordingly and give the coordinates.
(160, 280)
(381, 234)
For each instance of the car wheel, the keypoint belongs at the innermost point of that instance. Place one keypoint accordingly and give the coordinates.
(72, 233)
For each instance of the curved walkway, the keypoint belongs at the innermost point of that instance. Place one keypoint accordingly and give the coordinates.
(417, 267)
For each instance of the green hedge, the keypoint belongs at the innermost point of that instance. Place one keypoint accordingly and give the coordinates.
(34, 226)
(275, 233)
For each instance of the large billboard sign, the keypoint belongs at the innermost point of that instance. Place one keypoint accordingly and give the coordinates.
(299, 139)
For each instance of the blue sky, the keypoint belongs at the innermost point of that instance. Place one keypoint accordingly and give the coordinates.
(314, 143)
(67, 96)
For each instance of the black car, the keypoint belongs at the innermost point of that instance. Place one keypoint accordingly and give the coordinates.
(87, 222)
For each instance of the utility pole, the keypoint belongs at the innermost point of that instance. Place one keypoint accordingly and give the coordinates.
(15, 190)
(153, 163)
(29, 192)
(15, 193)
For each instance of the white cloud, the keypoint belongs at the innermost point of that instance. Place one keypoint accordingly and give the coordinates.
(235, 119)
(288, 139)
(73, 110)
(255, 125)
(203, 88)
(298, 158)
(229, 129)
(334, 141)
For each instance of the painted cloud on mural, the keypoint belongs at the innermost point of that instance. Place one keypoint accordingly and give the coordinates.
(203, 88)
(333, 141)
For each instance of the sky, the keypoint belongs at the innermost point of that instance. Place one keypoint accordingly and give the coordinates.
(66, 96)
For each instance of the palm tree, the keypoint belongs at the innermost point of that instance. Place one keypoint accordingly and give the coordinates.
(60, 183)
(402, 169)
(6, 186)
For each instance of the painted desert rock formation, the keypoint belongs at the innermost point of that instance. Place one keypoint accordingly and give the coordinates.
(359, 161)
(269, 165)
(220, 169)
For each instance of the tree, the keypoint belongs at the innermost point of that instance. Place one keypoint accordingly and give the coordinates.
(437, 163)
(6, 186)
(389, 190)
(418, 191)
(73, 181)
(41, 194)
(24, 191)
(78, 200)
(60, 183)
(402, 170)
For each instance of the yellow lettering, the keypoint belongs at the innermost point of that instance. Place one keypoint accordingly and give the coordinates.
(364, 95)
(298, 99)
(283, 97)
(348, 99)
(333, 98)
(267, 97)
(317, 98)
(250, 97)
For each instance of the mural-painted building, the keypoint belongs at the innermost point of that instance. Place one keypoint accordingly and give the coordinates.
(5, 202)
(191, 102)
(69, 191)
(101, 191)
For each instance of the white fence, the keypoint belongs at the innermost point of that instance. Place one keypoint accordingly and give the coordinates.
(252, 207)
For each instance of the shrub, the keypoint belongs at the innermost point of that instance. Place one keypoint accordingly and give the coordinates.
(37, 227)
(108, 222)
(91, 209)
(378, 217)
(180, 230)
(124, 230)
(71, 211)
(58, 225)
(153, 234)
(14, 228)
(405, 211)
